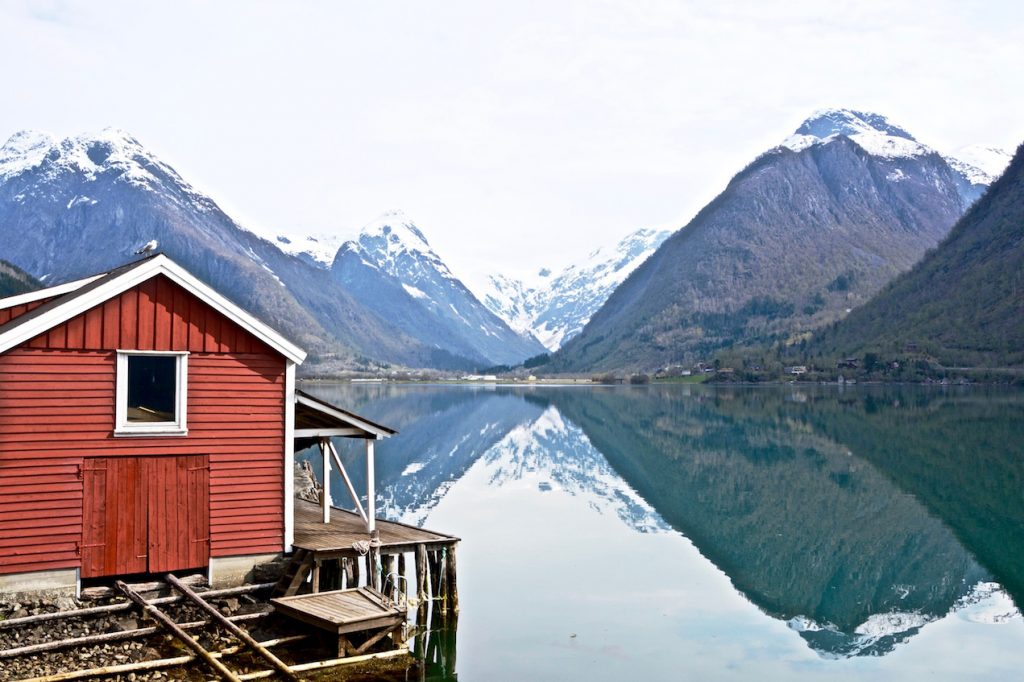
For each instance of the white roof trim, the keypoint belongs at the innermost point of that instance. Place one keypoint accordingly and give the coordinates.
(58, 290)
(158, 265)
(345, 417)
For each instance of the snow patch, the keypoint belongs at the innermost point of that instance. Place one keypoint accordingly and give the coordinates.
(413, 291)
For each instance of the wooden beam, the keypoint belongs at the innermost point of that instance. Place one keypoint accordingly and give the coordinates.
(158, 664)
(325, 496)
(238, 632)
(118, 636)
(348, 482)
(180, 634)
(371, 490)
(321, 433)
(125, 606)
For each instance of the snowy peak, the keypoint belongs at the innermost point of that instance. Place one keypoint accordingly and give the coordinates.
(392, 266)
(980, 164)
(40, 159)
(559, 306)
(24, 150)
(826, 122)
(397, 229)
(976, 166)
(874, 133)
(316, 249)
(394, 245)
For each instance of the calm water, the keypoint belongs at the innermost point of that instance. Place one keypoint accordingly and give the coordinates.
(670, 532)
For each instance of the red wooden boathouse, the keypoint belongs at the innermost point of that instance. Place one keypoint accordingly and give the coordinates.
(147, 424)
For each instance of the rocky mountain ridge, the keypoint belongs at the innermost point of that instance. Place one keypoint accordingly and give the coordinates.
(808, 231)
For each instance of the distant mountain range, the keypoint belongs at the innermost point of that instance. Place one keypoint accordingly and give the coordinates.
(558, 308)
(808, 231)
(391, 268)
(77, 206)
(963, 304)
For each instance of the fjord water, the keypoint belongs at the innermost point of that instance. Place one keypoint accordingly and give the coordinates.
(667, 532)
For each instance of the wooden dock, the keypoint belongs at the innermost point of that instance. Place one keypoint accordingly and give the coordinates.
(335, 539)
(347, 612)
(340, 554)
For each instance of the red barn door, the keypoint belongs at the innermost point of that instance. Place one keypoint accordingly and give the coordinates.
(145, 514)
(179, 512)
(114, 528)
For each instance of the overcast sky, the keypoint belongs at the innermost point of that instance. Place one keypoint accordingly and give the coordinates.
(516, 134)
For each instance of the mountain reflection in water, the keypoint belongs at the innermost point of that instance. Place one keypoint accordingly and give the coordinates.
(854, 517)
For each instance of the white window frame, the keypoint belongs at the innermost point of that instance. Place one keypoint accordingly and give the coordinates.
(178, 427)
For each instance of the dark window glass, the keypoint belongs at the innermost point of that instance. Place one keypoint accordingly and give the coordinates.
(152, 388)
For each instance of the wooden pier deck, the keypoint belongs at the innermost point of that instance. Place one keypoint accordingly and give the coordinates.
(341, 554)
(336, 538)
(345, 612)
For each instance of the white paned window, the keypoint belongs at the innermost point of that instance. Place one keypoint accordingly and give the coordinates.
(151, 394)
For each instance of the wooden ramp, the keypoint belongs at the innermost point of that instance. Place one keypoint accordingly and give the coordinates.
(344, 613)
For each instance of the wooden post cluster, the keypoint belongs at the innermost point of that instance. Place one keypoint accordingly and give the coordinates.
(434, 566)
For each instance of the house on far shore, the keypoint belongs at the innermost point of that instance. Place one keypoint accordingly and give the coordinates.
(147, 425)
(796, 370)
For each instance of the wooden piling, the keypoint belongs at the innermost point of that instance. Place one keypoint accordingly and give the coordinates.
(421, 573)
(389, 574)
(434, 559)
(373, 568)
(452, 596)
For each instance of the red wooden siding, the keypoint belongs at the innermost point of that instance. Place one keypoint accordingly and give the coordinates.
(38, 530)
(156, 315)
(57, 407)
(8, 314)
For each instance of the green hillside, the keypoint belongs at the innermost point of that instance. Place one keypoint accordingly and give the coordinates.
(963, 304)
(14, 280)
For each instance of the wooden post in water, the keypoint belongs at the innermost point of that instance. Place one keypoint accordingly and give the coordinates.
(421, 573)
(403, 584)
(434, 559)
(373, 567)
(452, 595)
(388, 568)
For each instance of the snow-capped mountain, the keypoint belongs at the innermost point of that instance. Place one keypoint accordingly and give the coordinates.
(317, 249)
(392, 268)
(71, 207)
(980, 164)
(976, 166)
(807, 231)
(559, 307)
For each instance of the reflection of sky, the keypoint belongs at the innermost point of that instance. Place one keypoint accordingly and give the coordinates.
(537, 567)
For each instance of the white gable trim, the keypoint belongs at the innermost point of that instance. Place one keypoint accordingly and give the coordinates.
(158, 265)
(48, 292)
(357, 423)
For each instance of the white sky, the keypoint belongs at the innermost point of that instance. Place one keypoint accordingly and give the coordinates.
(516, 134)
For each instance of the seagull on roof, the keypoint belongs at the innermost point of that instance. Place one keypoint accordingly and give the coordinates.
(150, 247)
